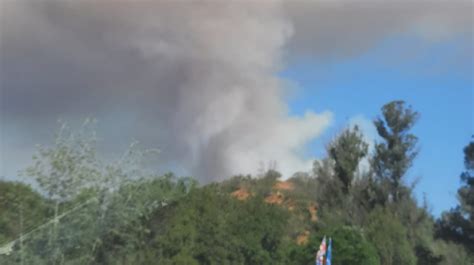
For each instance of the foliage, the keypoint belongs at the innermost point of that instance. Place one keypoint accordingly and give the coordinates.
(351, 247)
(99, 209)
(394, 156)
(69, 165)
(21, 210)
(211, 227)
(389, 237)
(458, 224)
(347, 151)
(426, 256)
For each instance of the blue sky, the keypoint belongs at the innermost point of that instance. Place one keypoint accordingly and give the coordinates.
(435, 78)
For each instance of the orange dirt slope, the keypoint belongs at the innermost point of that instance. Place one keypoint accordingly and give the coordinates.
(283, 185)
(241, 194)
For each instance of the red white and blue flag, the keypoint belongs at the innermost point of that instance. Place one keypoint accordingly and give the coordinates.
(321, 252)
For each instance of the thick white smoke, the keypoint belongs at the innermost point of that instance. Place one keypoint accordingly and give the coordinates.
(197, 79)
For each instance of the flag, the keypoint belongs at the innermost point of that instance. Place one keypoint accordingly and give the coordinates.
(329, 252)
(321, 252)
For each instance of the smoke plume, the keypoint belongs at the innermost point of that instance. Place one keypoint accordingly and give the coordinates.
(198, 80)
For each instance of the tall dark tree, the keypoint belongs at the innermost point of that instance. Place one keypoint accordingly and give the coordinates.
(395, 155)
(347, 151)
(458, 224)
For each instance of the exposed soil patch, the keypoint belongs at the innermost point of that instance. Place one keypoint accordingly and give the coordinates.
(275, 198)
(303, 238)
(241, 194)
(283, 185)
(313, 210)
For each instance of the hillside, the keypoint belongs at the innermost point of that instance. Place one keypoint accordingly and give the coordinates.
(243, 220)
(93, 212)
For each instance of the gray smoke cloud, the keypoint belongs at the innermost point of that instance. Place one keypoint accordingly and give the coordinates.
(335, 29)
(199, 80)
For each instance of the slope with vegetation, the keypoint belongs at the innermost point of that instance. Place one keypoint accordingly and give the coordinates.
(92, 212)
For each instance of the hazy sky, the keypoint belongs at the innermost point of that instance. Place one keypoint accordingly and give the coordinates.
(221, 87)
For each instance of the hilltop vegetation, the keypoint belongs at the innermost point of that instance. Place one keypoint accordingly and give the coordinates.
(92, 212)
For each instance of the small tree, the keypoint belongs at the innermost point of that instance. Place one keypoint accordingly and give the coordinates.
(69, 165)
(62, 171)
(347, 151)
(100, 208)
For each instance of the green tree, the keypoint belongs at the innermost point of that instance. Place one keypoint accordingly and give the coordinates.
(350, 247)
(100, 209)
(63, 169)
(458, 224)
(338, 187)
(21, 208)
(329, 189)
(389, 237)
(426, 256)
(395, 155)
(347, 151)
(211, 227)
